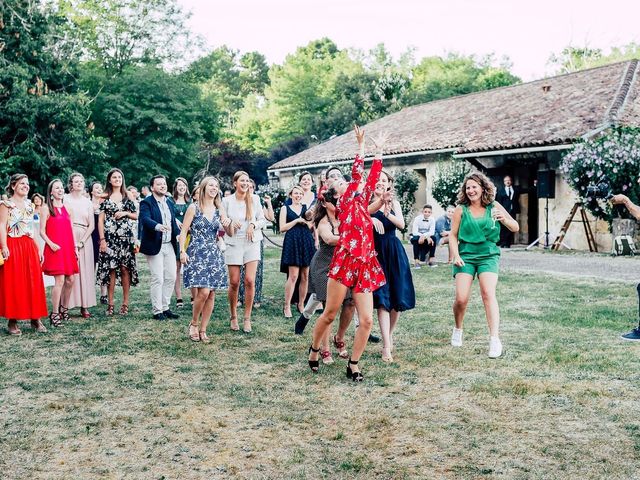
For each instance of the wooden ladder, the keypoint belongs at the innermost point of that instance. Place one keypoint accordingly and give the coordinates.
(567, 223)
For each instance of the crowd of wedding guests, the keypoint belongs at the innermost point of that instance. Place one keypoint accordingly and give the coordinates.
(341, 252)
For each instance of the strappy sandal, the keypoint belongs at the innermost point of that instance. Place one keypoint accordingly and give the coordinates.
(234, 324)
(245, 322)
(179, 303)
(109, 311)
(38, 326)
(64, 312)
(327, 359)
(314, 365)
(340, 346)
(15, 331)
(204, 338)
(387, 358)
(55, 319)
(194, 335)
(355, 376)
(124, 309)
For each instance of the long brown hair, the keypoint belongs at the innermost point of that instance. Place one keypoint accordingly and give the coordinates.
(187, 197)
(108, 188)
(52, 211)
(488, 189)
(248, 200)
(202, 186)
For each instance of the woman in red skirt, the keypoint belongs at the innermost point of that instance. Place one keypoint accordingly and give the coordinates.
(22, 295)
(60, 255)
(354, 264)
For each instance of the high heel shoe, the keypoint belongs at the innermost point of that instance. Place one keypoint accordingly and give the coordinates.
(287, 314)
(314, 365)
(340, 346)
(55, 319)
(355, 376)
(233, 321)
(64, 313)
(246, 325)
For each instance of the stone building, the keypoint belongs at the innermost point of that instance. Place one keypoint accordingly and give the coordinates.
(519, 130)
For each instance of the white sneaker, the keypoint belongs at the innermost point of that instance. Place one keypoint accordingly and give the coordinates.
(456, 337)
(495, 347)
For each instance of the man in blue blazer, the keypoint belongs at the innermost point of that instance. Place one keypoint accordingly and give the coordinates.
(158, 243)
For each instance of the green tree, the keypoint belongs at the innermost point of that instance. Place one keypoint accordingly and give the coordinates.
(572, 59)
(117, 34)
(435, 78)
(449, 177)
(45, 126)
(227, 79)
(153, 121)
(406, 185)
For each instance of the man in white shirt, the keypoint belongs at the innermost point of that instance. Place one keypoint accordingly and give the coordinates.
(423, 229)
(159, 245)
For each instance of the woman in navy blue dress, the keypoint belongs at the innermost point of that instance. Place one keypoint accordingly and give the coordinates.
(398, 294)
(297, 249)
(204, 269)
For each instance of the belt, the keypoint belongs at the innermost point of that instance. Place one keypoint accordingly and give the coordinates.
(81, 225)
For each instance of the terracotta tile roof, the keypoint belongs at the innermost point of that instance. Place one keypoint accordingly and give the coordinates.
(551, 111)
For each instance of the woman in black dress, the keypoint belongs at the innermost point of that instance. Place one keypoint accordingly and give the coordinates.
(297, 249)
(117, 261)
(398, 294)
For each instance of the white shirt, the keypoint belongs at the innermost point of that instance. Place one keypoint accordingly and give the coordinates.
(420, 226)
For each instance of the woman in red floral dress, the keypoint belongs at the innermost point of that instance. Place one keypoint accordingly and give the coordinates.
(354, 264)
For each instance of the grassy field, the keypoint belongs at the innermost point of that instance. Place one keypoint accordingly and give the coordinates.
(134, 398)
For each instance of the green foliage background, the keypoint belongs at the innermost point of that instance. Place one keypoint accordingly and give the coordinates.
(447, 182)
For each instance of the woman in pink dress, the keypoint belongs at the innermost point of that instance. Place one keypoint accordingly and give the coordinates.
(83, 293)
(60, 254)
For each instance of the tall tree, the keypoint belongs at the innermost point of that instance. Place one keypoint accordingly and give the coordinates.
(153, 121)
(45, 125)
(121, 33)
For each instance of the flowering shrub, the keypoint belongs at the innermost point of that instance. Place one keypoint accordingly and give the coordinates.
(613, 158)
(406, 184)
(447, 182)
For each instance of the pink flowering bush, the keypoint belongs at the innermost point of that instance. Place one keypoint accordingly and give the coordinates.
(613, 158)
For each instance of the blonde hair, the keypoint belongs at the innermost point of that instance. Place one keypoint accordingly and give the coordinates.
(248, 200)
(202, 186)
(70, 181)
(488, 189)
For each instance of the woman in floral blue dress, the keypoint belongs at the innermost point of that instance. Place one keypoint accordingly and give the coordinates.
(204, 267)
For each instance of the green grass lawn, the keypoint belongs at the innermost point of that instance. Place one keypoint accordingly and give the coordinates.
(134, 398)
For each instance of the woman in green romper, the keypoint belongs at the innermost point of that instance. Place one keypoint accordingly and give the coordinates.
(474, 233)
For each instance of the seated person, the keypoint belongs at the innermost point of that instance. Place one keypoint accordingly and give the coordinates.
(423, 230)
(443, 228)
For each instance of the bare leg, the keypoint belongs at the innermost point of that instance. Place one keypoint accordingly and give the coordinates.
(394, 316)
(112, 285)
(335, 295)
(66, 290)
(463, 291)
(126, 285)
(56, 293)
(198, 305)
(250, 270)
(234, 286)
(304, 285)
(488, 283)
(364, 306)
(289, 286)
(207, 311)
(346, 315)
(385, 331)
